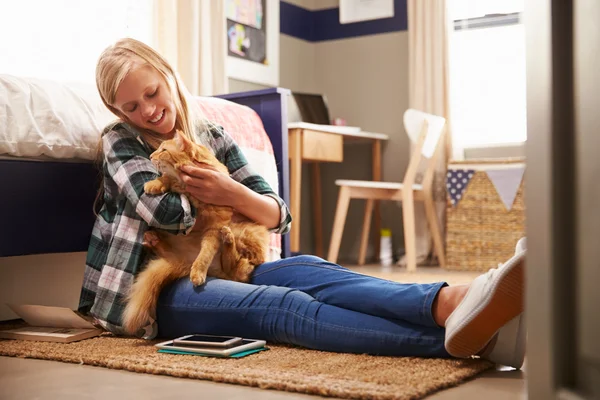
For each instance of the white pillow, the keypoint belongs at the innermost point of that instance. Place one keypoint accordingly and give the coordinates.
(46, 118)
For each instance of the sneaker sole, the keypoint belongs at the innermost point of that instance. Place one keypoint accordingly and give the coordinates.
(504, 303)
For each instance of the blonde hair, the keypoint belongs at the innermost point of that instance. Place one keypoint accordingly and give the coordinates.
(119, 59)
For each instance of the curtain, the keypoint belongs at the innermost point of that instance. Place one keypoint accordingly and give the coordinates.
(191, 35)
(428, 35)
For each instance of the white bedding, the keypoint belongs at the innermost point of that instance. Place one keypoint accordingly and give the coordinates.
(50, 119)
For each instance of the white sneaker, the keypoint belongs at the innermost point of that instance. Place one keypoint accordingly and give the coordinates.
(508, 345)
(521, 245)
(493, 300)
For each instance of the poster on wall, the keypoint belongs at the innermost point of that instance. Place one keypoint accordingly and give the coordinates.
(365, 10)
(253, 40)
(246, 33)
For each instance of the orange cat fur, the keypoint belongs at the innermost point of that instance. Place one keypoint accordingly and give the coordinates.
(222, 248)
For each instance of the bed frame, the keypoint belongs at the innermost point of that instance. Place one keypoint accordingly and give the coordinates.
(46, 207)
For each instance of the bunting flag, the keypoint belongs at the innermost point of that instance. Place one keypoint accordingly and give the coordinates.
(507, 182)
(457, 181)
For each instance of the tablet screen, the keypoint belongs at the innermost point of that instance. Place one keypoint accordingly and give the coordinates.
(208, 339)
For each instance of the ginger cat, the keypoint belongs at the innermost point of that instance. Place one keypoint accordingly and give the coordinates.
(222, 248)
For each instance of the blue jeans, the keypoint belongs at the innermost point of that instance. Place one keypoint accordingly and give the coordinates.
(309, 302)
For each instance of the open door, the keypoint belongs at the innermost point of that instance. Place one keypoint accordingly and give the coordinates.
(563, 198)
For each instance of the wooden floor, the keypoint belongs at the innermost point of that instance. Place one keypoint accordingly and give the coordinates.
(424, 274)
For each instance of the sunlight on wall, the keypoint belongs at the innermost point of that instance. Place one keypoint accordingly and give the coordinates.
(62, 39)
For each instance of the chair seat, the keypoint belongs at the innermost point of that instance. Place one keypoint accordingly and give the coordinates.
(375, 185)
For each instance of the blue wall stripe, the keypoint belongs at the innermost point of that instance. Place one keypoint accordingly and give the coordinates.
(296, 21)
(321, 25)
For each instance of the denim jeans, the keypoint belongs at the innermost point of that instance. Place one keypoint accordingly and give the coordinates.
(309, 302)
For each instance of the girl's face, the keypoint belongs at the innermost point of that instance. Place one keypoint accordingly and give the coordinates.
(145, 100)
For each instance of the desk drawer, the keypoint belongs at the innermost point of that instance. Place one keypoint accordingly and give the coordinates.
(320, 146)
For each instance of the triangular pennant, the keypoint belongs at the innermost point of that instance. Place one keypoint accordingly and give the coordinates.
(457, 181)
(507, 182)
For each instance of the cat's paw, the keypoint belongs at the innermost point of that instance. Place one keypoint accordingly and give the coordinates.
(198, 278)
(151, 239)
(226, 235)
(155, 187)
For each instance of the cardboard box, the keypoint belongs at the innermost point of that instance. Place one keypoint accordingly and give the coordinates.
(50, 324)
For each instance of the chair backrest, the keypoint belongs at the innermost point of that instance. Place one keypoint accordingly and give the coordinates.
(425, 131)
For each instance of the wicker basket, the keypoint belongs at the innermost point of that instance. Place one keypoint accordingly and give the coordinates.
(481, 233)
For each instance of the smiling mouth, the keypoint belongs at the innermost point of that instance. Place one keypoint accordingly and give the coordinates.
(158, 119)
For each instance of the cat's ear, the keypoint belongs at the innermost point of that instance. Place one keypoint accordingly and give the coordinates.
(181, 141)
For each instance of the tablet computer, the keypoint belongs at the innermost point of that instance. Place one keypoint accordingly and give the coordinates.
(244, 345)
(207, 340)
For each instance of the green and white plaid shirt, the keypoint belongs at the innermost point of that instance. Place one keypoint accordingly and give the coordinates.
(115, 255)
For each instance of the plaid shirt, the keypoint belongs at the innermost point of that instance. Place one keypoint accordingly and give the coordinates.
(115, 254)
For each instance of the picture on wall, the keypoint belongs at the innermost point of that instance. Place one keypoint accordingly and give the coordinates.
(246, 30)
(253, 40)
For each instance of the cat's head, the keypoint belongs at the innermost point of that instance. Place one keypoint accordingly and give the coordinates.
(179, 151)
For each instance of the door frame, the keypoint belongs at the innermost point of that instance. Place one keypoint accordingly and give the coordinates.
(551, 202)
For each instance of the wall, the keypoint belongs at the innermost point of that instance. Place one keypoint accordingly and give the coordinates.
(365, 80)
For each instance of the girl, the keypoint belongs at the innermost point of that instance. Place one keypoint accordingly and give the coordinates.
(301, 300)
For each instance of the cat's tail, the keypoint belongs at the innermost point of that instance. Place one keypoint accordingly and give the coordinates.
(143, 295)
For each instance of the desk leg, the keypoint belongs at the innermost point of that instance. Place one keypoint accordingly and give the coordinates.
(377, 177)
(317, 210)
(295, 151)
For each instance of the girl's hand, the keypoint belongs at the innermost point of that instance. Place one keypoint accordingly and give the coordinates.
(213, 187)
(209, 186)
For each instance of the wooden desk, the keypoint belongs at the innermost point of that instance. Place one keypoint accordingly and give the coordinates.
(323, 143)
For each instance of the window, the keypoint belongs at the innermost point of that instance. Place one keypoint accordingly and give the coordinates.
(62, 39)
(487, 72)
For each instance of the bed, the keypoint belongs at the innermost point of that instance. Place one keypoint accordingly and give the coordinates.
(46, 204)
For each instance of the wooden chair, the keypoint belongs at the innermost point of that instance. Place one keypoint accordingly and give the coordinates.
(425, 130)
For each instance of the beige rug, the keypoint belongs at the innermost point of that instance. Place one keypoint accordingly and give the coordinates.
(285, 368)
